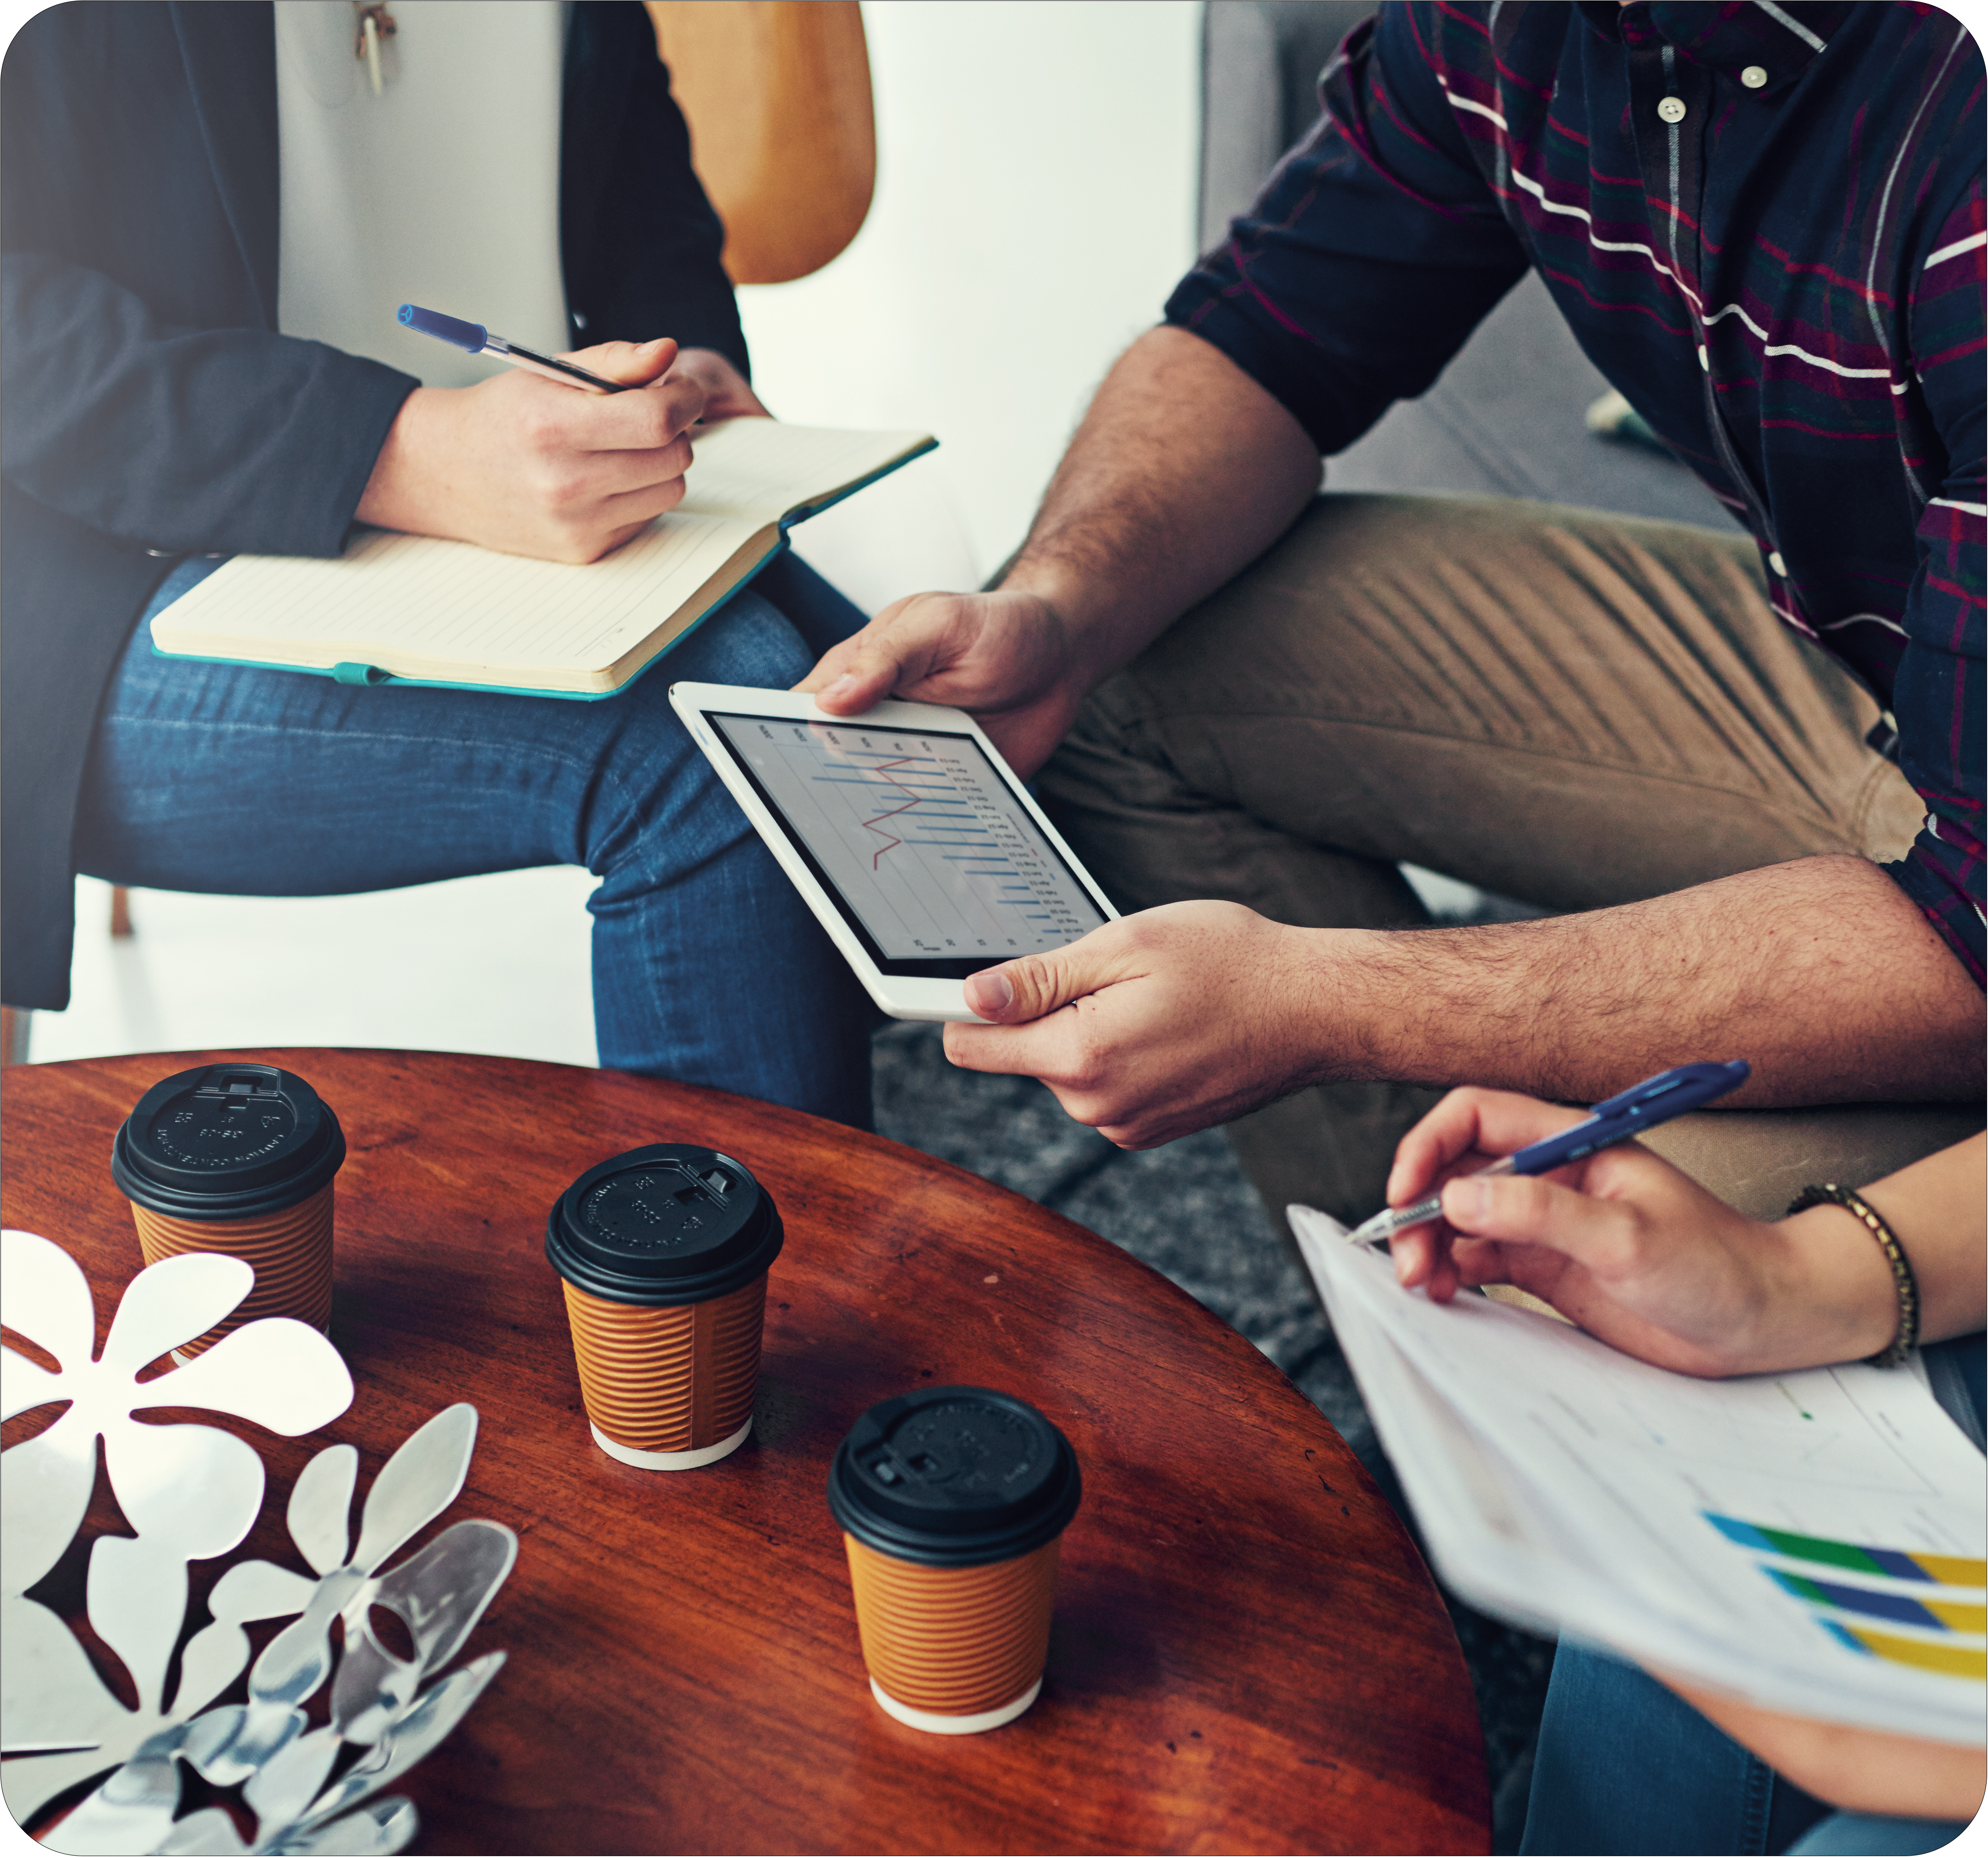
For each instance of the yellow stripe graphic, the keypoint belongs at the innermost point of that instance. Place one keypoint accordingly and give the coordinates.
(1957, 1617)
(1954, 1570)
(1946, 1660)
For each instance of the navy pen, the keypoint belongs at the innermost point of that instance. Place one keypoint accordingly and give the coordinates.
(1654, 1100)
(479, 341)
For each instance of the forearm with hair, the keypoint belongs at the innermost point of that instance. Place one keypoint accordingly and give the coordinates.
(1183, 472)
(1821, 974)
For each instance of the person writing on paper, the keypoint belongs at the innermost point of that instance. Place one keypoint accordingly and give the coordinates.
(211, 217)
(1641, 1258)
(1748, 767)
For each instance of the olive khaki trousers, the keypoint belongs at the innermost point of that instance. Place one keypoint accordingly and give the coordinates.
(1567, 707)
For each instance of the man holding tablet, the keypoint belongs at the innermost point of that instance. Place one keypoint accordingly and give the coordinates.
(918, 851)
(1748, 769)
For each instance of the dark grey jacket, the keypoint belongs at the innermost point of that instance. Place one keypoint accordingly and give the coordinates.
(148, 407)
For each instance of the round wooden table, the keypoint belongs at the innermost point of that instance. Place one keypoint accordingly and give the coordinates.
(1248, 1651)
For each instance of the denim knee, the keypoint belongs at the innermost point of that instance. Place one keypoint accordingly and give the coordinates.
(749, 642)
(658, 810)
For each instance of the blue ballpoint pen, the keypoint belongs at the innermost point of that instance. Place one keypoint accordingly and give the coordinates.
(479, 341)
(1655, 1099)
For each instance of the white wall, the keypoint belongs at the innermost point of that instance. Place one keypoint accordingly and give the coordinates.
(1035, 203)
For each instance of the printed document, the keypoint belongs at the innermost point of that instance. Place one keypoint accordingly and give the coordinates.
(1810, 1541)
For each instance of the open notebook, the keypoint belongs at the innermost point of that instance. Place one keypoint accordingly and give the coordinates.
(398, 608)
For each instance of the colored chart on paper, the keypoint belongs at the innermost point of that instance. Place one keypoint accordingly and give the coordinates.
(1929, 1614)
(1891, 1563)
(921, 836)
(1812, 1542)
(1937, 1630)
(1921, 1654)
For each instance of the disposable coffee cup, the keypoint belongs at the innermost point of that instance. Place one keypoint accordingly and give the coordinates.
(664, 1251)
(952, 1502)
(237, 1159)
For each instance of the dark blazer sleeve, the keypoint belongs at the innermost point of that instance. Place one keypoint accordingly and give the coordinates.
(148, 395)
(640, 240)
(186, 440)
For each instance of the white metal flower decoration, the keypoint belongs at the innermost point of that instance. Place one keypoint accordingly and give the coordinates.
(190, 1491)
(439, 1593)
(193, 1493)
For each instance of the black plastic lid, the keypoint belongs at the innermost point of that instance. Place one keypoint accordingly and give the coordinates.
(663, 1226)
(954, 1477)
(227, 1141)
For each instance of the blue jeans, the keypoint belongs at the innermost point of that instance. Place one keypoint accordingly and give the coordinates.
(1623, 1765)
(708, 967)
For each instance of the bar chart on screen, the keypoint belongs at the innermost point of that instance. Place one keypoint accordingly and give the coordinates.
(920, 834)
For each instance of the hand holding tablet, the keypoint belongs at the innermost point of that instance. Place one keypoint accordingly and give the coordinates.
(922, 854)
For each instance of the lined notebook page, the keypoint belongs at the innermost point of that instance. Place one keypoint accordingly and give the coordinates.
(759, 469)
(405, 601)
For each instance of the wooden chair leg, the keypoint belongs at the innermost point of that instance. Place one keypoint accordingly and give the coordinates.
(13, 1035)
(120, 910)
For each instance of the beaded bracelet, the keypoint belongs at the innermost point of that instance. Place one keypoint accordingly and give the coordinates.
(1902, 1279)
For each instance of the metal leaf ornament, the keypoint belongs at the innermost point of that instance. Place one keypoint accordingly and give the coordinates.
(267, 1744)
(439, 1593)
(190, 1491)
(295, 1811)
(186, 1490)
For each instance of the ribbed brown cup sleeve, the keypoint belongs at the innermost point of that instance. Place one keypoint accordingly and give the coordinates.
(290, 1252)
(668, 1380)
(953, 1640)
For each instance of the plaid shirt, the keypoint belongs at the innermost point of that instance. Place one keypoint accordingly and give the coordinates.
(1786, 281)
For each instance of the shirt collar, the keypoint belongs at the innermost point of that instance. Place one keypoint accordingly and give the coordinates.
(1781, 36)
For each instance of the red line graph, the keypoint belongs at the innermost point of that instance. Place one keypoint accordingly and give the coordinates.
(874, 823)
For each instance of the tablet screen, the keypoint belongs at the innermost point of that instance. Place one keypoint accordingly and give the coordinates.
(918, 838)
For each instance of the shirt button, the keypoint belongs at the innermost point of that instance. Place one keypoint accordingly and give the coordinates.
(1779, 566)
(1753, 77)
(1672, 109)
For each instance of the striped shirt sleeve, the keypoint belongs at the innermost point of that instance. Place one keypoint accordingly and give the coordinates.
(1939, 695)
(1372, 252)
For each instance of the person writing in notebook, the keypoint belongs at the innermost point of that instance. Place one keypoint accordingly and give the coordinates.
(1644, 1260)
(210, 218)
(1747, 767)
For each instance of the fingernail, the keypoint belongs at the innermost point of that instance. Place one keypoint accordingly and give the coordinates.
(843, 685)
(995, 992)
(1467, 1199)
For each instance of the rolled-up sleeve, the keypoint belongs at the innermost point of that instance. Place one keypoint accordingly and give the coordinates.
(1938, 698)
(1373, 251)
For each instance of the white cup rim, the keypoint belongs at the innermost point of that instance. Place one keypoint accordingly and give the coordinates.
(671, 1460)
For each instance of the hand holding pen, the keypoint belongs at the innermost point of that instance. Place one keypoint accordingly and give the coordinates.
(1612, 1237)
(727, 393)
(1644, 1258)
(1646, 1104)
(514, 464)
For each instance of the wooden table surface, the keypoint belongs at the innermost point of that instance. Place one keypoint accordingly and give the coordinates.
(1248, 1652)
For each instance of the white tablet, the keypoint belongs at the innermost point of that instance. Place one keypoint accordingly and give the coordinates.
(907, 834)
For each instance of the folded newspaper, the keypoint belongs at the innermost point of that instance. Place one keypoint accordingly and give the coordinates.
(1810, 1541)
